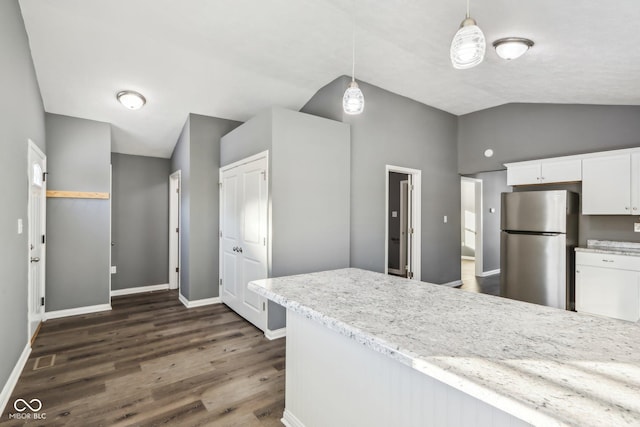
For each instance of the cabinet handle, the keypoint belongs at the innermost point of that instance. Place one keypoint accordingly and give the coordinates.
(607, 260)
(626, 208)
(635, 209)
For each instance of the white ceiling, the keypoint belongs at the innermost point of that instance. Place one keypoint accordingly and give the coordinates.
(232, 58)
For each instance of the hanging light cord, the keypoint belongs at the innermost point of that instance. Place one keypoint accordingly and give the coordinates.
(353, 53)
(468, 15)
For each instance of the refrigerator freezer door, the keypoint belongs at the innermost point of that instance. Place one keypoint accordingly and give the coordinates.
(533, 268)
(535, 211)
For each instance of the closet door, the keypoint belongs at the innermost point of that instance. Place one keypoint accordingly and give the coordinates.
(243, 237)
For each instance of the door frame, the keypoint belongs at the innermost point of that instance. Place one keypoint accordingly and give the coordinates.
(175, 239)
(479, 268)
(415, 203)
(32, 146)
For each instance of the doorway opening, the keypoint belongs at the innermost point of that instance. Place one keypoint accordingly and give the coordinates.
(402, 222)
(174, 230)
(471, 228)
(36, 169)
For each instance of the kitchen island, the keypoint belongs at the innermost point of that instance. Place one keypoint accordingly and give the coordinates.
(369, 349)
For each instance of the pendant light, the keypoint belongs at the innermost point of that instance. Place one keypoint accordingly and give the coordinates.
(353, 99)
(468, 45)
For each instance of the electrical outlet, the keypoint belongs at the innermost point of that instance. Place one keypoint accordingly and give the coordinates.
(636, 227)
(19, 225)
(445, 219)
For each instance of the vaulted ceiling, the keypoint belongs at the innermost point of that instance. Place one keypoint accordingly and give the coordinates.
(232, 58)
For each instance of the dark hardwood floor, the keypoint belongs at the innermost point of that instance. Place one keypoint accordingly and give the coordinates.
(151, 361)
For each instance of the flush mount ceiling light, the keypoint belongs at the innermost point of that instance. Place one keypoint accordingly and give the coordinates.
(512, 47)
(131, 99)
(353, 99)
(468, 45)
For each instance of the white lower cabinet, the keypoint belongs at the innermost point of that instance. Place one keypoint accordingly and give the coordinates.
(608, 285)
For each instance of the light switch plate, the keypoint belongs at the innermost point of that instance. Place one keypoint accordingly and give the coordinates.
(394, 214)
(19, 225)
(445, 219)
(636, 227)
(113, 269)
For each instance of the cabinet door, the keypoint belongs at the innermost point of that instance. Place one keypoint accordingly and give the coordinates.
(606, 185)
(561, 171)
(523, 174)
(635, 183)
(608, 292)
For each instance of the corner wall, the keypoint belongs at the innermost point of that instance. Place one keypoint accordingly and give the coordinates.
(78, 230)
(21, 118)
(197, 155)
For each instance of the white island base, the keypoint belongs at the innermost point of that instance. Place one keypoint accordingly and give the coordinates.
(333, 380)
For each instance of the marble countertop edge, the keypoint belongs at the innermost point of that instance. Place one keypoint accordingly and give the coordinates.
(457, 381)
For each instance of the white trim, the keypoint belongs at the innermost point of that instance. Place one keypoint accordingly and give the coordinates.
(468, 258)
(199, 302)
(416, 214)
(452, 284)
(244, 161)
(139, 290)
(290, 420)
(76, 311)
(5, 395)
(275, 333)
(489, 273)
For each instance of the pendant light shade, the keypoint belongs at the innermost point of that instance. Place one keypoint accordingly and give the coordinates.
(353, 99)
(468, 45)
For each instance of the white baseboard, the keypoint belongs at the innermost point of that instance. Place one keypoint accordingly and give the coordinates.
(5, 395)
(468, 258)
(275, 333)
(490, 273)
(453, 284)
(290, 420)
(139, 290)
(76, 311)
(198, 302)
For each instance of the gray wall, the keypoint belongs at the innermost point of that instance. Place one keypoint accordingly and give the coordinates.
(21, 117)
(309, 190)
(493, 185)
(398, 131)
(531, 131)
(518, 132)
(139, 221)
(197, 155)
(78, 239)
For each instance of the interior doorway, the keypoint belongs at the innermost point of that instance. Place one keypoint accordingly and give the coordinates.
(471, 227)
(174, 230)
(37, 163)
(402, 222)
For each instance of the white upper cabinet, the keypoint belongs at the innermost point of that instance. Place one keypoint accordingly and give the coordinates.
(606, 185)
(544, 171)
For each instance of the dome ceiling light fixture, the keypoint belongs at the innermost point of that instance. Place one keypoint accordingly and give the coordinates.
(512, 47)
(132, 100)
(468, 45)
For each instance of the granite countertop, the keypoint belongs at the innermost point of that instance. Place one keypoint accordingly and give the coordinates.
(611, 247)
(543, 365)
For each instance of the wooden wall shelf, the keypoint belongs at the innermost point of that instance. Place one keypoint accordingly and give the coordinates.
(77, 194)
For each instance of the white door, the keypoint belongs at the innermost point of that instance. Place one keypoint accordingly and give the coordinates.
(36, 209)
(243, 237)
(174, 230)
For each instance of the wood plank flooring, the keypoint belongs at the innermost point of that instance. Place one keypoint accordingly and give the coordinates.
(151, 361)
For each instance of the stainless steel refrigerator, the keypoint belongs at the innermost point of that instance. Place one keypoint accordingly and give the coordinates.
(539, 233)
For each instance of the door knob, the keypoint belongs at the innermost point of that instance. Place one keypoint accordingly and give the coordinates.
(35, 259)
(235, 249)
(240, 250)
